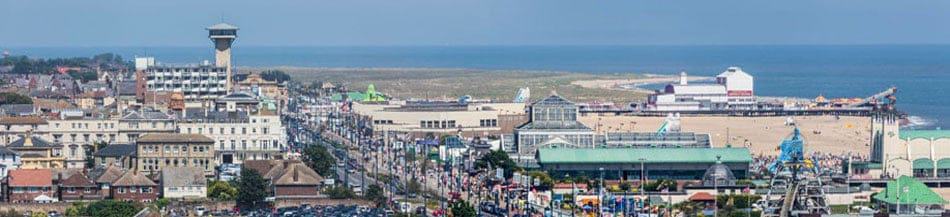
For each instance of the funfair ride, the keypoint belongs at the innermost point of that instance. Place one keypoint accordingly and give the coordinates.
(796, 186)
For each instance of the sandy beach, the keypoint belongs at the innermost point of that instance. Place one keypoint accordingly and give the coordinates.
(762, 135)
(619, 84)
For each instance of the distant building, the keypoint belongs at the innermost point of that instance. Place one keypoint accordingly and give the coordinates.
(184, 183)
(9, 160)
(121, 155)
(78, 187)
(197, 83)
(896, 152)
(553, 120)
(238, 135)
(37, 153)
(134, 186)
(31, 186)
(419, 118)
(288, 179)
(157, 151)
(671, 163)
(732, 90)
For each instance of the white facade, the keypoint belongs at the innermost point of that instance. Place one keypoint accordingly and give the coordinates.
(185, 192)
(733, 89)
(258, 137)
(195, 83)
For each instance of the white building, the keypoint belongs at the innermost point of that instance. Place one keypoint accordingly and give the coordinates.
(196, 83)
(733, 90)
(184, 183)
(238, 135)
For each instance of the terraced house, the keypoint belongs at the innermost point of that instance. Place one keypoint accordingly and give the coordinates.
(157, 151)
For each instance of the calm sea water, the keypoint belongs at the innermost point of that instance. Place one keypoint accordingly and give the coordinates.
(920, 72)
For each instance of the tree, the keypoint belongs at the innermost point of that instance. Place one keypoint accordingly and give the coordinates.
(14, 98)
(497, 159)
(162, 203)
(375, 193)
(275, 75)
(38, 214)
(90, 160)
(546, 181)
(221, 190)
(84, 76)
(73, 211)
(339, 192)
(461, 208)
(251, 191)
(112, 208)
(319, 159)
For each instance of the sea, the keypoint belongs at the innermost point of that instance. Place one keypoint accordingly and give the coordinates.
(921, 73)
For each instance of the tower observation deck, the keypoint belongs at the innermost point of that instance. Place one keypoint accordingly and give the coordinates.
(223, 35)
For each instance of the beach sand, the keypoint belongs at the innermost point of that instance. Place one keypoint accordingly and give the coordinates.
(618, 84)
(761, 134)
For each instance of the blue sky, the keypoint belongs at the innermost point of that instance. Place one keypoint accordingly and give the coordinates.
(470, 22)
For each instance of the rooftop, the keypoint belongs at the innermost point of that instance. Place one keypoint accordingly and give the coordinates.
(924, 134)
(910, 191)
(650, 155)
(30, 177)
(183, 177)
(222, 26)
(116, 150)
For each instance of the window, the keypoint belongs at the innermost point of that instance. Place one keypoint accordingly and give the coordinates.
(264, 130)
(244, 130)
(71, 190)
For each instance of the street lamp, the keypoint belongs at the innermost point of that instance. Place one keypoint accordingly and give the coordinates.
(573, 193)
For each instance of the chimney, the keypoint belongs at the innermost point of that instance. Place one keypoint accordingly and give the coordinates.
(295, 174)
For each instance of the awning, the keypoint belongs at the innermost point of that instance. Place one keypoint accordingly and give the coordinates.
(923, 164)
(943, 163)
(44, 198)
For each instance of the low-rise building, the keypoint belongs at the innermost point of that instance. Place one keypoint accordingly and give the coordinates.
(134, 186)
(9, 160)
(78, 187)
(121, 155)
(36, 152)
(184, 183)
(288, 179)
(31, 185)
(238, 135)
(419, 118)
(157, 151)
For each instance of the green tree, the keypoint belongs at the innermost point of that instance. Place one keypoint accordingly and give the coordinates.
(14, 98)
(112, 208)
(546, 181)
(90, 159)
(275, 75)
(84, 76)
(161, 203)
(251, 191)
(461, 208)
(339, 192)
(73, 211)
(319, 159)
(221, 190)
(375, 193)
(498, 159)
(38, 214)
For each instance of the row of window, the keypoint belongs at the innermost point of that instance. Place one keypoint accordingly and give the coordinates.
(122, 190)
(262, 144)
(154, 164)
(437, 124)
(221, 130)
(383, 121)
(176, 149)
(86, 125)
(488, 122)
(29, 189)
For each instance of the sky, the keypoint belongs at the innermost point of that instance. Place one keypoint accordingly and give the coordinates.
(73, 23)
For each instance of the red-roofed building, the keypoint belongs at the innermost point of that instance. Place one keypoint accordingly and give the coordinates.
(30, 185)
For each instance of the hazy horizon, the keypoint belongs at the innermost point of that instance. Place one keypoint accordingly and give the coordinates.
(179, 23)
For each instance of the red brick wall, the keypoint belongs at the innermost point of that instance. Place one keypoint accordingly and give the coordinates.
(138, 195)
(80, 194)
(26, 196)
(296, 190)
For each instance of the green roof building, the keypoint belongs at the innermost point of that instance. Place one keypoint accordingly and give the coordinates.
(353, 96)
(674, 163)
(910, 196)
